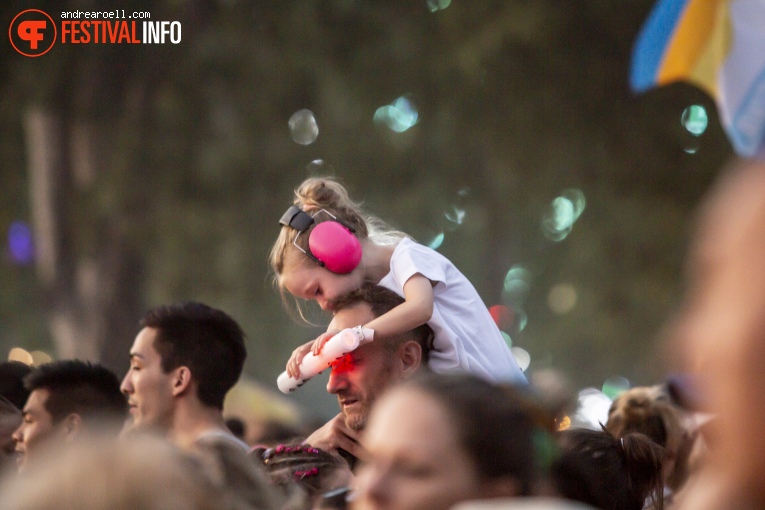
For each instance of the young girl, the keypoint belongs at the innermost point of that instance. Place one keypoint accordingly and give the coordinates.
(307, 265)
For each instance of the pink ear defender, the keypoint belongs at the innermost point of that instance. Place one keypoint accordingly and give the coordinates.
(331, 244)
(335, 245)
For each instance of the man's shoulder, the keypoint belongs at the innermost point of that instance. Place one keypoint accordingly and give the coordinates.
(221, 439)
(226, 457)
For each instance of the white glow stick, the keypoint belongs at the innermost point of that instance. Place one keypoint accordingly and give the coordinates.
(335, 348)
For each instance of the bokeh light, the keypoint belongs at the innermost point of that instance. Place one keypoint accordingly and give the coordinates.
(399, 116)
(562, 214)
(19, 354)
(695, 119)
(562, 298)
(559, 219)
(615, 385)
(592, 410)
(453, 219)
(456, 215)
(438, 5)
(40, 358)
(522, 357)
(319, 167)
(520, 319)
(517, 284)
(515, 290)
(502, 315)
(508, 340)
(20, 243)
(692, 147)
(303, 127)
(576, 197)
(437, 241)
(564, 423)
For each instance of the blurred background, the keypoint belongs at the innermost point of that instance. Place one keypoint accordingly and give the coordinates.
(502, 133)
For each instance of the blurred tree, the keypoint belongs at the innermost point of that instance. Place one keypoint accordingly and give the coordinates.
(158, 171)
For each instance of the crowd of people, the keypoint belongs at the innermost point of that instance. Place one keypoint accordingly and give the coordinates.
(431, 415)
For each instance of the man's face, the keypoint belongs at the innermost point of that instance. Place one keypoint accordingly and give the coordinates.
(10, 419)
(359, 377)
(37, 428)
(149, 391)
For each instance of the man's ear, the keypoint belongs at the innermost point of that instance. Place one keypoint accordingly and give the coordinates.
(71, 425)
(410, 357)
(181, 380)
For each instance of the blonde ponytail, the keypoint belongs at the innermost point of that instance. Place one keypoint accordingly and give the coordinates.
(326, 193)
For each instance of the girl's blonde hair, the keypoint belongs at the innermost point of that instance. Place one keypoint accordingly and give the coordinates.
(314, 194)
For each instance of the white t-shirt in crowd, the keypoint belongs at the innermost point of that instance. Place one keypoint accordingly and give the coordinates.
(466, 336)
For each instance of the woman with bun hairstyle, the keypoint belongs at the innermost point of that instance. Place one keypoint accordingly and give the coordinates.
(328, 246)
(610, 473)
(650, 411)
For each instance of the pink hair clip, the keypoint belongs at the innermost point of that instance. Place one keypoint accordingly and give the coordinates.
(300, 474)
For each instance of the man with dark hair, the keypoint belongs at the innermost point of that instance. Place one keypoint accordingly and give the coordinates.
(65, 398)
(184, 360)
(13, 396)
(359, 377)
(12, 375)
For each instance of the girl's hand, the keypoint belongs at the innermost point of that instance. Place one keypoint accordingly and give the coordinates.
(321, 340)
(313, 347)
(296, 358)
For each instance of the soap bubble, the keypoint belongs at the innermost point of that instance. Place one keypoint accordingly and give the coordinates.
(303, 127)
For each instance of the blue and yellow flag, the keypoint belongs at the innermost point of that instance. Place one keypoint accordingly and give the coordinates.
(718, 45)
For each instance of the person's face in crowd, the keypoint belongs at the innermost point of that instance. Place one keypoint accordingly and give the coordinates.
(721, 330)
(36, 428)
(415, 459)
(10, 419)
(360, 376)
(307, 280)
(149, 391)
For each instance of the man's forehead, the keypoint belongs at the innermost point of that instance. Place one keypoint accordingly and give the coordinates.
(36, 401)
(143, 346)
(357, 314)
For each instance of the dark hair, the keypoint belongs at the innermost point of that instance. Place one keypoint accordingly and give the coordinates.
(11, 382)
(609, 473)
(236, 426)
(311, 468)
(643, 419)
(650, 411)
(382, 300)
(206, 340)
(275, 432)
(80, 387)
(495, 424)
